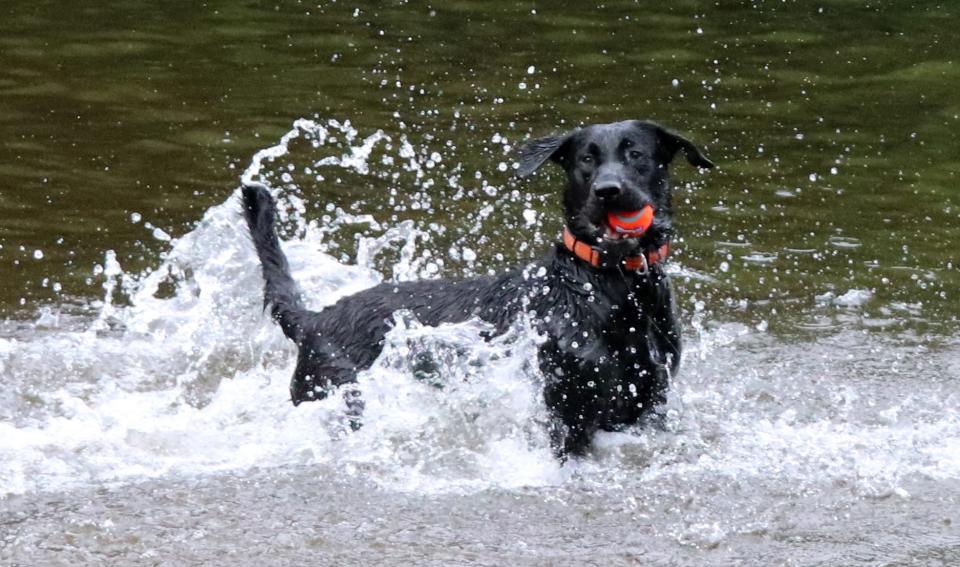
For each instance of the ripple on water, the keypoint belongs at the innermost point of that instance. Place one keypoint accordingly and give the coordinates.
(764, 258)
(801, 251)
(844, 242)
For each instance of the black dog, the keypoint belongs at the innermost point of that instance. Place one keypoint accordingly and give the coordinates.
(602, 300)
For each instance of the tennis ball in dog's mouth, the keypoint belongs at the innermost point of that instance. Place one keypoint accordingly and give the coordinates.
(633, 223)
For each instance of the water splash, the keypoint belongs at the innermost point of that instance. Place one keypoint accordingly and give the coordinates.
(179, 372)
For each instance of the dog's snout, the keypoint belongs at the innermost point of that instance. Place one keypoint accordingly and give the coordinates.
(607, 189)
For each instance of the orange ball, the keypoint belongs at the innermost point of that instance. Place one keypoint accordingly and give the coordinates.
(631, 222)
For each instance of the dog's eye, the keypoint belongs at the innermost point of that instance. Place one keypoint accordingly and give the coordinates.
(635, 154)
(587, 159)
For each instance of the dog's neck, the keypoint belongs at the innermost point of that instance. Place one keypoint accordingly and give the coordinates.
(593, 255)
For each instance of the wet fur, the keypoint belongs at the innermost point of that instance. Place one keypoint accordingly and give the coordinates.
(612, 339)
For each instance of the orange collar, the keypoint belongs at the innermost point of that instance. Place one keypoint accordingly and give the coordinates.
(591, 255)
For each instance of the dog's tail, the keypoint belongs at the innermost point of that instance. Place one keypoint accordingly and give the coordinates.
(280, 292)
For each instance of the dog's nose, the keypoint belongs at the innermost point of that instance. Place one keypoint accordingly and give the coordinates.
(607, 189)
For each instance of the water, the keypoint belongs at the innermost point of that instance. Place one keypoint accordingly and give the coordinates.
(144, 418)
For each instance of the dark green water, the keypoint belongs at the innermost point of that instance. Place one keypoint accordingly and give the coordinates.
(120, 108)
(816, 420)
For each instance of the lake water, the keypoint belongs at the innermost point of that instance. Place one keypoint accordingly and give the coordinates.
(144, 418)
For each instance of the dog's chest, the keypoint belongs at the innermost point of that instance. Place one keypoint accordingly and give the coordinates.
(604, 371)
(601, 332)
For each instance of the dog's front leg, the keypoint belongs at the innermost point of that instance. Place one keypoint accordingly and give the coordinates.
(664, 337)
(567, 439)
(570, 409)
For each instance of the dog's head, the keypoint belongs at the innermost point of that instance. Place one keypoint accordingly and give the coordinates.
(616, 167)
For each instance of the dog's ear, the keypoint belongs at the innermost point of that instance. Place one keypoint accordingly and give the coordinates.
(671, 142)
(535, 152)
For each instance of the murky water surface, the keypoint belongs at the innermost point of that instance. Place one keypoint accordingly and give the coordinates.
(144, 415)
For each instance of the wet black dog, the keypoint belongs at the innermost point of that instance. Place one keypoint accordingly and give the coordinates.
(602, 300)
